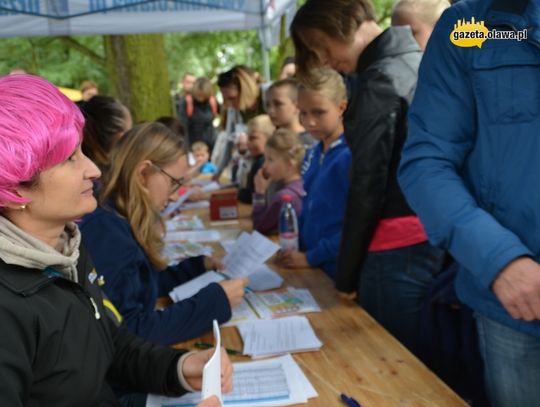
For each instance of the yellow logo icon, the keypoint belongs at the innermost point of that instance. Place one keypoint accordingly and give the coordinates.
(469, 33)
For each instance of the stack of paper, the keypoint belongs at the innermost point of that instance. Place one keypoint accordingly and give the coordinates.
(174, 206)
(248, 254)
(291, 301)
(265, 338)
(183, 222)
(176, 252)
(192, 236)
(273, 382)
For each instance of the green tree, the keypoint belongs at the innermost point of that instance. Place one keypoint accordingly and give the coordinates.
(137, 71)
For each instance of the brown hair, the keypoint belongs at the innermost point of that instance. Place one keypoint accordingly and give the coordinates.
(248, 88)
(85, 85)
(290, 84)
(199, 145)
(204, 86)
(121, 185)
(339, 20)
(288, 145)
(328, 83)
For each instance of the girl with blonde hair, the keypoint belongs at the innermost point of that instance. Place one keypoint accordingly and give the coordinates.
(283, 157)
(125, 238)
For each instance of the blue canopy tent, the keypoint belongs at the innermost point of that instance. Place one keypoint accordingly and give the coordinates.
(28, 18)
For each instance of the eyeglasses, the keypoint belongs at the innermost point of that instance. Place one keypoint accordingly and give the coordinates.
(176, 183)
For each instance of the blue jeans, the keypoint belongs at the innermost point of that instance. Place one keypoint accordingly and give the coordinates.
(393, 286)
(511, 364)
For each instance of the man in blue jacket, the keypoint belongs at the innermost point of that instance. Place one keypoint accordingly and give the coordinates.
(471, 170)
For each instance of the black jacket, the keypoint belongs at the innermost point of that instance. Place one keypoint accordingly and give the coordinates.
(57, 344)
(375, 129)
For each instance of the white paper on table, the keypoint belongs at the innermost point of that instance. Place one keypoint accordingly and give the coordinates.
(195, 205)
(228, 245)
(248, 254)
(278, 336)
(175, 252)
(264, 278)
(255, 384)
(210, 187)
(182, 222)
(192, 236)
(211, 384)
(173, 206)
(192, 287)
(242, 312)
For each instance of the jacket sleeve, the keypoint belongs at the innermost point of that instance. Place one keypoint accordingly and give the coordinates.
(265, 217)
(370, 131)
(180, 273)
(442, 127)
(17, 350)
(134, 358)
(327, 248)
(127, 287)
(245, 195)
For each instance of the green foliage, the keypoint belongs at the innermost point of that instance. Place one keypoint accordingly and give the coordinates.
(54, 60)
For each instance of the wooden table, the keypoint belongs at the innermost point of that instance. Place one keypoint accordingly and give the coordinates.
(359, 357)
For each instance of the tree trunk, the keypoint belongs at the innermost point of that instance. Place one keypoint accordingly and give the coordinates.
(137, 70)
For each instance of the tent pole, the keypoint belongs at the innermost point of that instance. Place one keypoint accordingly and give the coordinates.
(266, 59)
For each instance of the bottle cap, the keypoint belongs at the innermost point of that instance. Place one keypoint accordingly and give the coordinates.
(286, 198)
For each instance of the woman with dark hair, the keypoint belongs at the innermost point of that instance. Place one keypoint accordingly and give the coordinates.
(385, 255)
(242, 99)
(106, 120)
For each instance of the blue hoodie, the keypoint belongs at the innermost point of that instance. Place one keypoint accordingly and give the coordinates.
(133, 284)
(326, 182)
(470, 166)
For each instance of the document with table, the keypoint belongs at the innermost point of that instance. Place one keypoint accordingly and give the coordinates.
(263, 383)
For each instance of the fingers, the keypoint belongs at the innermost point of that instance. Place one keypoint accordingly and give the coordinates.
(212, 401)
(226, 372)
(347, 296)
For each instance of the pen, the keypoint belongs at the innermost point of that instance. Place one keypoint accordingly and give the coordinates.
(205, 345)
(349, 401)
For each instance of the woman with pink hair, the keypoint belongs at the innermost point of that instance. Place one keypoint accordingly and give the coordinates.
(58, 340)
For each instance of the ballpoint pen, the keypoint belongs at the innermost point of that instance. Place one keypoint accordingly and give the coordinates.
(349, 401)
(205, 345)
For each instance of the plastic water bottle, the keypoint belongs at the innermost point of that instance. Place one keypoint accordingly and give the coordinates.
(288, 225)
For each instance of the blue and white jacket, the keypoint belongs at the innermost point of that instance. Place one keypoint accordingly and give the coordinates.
(326, 182)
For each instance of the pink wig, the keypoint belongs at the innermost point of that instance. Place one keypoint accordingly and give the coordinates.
(39, 128)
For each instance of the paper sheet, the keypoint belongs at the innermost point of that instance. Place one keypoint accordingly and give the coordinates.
(277, 304)
(210, 187)
(211, 385)
(192, 287)
(264, 278)
(175, 252)
(274, 382)
(193, 236)
(183, 222)
(173, 206)
(248, 254)
(278, 336)
(195, 205)
(242, 312)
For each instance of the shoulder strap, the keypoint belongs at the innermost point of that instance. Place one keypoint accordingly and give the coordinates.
(213, 105)
(189, 105)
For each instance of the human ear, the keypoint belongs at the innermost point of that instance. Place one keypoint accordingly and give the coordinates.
(142, 171)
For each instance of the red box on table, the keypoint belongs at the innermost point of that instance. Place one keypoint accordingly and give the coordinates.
(224, 205)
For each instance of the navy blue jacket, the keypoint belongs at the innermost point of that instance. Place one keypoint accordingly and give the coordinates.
(326, 182)
(133, 284)
(470, 164)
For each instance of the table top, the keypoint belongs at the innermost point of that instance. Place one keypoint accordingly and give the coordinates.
(358, 357)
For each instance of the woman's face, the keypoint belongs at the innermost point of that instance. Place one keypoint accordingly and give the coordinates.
(161, 185)
(231, 95)
(331, 52)
(280, 107)
(64, 192)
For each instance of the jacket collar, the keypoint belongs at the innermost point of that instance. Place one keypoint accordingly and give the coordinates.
(516, 14)
(391, 42)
